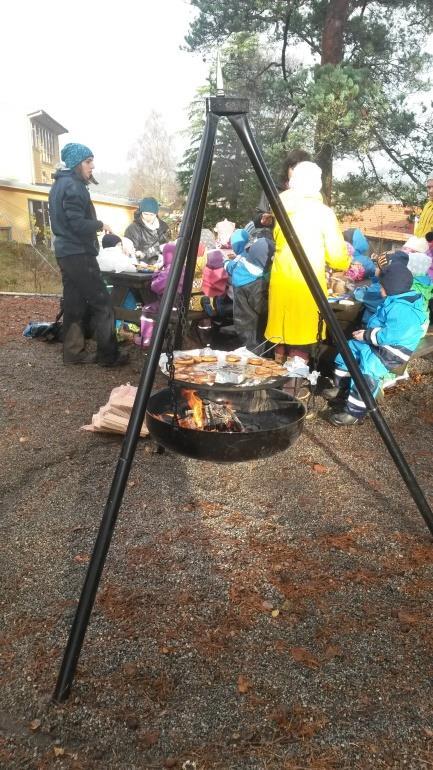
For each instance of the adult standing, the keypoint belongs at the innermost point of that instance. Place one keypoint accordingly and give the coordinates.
(85, 296)
(425, 222)
(263, 221)
(293, 315)
(148, 232)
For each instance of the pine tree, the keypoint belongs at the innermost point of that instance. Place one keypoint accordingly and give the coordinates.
(362, 59)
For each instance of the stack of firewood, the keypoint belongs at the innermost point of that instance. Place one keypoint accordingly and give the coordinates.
(114, 416)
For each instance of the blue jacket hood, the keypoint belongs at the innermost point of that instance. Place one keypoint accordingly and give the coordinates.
(260, 252)
(239, 240)
(360, 243)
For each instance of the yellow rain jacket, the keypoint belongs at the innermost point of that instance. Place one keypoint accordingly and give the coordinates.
(293, 314)
(425, 223)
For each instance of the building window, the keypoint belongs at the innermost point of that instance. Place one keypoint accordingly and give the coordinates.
(40, 223)
(44, 140)
(5, 233)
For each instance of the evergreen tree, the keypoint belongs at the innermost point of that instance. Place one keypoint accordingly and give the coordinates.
(361, 61)
(234, 190)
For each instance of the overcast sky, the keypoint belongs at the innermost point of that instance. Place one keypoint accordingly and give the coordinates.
(100, 68)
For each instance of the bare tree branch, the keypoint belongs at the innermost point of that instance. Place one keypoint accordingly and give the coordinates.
(394, 158)
(288, 126)
(382, 184)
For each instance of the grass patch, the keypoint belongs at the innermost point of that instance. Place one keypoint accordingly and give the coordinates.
(23, 269)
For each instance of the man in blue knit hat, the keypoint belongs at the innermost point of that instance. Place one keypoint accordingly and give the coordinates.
(85, 296)
(148, 232)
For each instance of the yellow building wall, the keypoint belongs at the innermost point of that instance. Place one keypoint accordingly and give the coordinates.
(118, 217)
(14, 212)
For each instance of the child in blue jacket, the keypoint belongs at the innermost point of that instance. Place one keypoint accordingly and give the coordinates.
(248, 270)
(361, 249)
(391, 336)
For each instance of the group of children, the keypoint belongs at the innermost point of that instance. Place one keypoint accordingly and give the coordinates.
(385, 345)
(236, 281)
(234, 286)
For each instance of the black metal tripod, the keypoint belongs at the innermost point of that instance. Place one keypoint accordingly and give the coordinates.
(186, 250)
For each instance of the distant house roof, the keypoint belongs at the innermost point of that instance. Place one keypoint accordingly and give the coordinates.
(46, 120)
(386, 221)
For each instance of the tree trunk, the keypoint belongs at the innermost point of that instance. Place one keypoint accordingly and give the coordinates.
(324, 156)
(332, 53)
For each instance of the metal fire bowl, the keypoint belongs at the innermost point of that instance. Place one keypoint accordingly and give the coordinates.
(225, 447)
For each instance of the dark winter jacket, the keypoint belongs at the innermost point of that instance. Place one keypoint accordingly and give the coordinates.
(145, 240)
(73, 217)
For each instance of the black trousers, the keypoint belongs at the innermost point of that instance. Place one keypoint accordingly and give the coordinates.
(86, 301)
(250, 312)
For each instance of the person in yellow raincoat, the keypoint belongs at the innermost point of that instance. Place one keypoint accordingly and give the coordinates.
(293, 314)
(425, 223)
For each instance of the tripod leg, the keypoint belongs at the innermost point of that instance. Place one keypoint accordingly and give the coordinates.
(242, 128)
(191, 259)
(115, 497)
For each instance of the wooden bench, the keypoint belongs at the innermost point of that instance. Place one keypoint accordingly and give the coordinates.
(425, 347)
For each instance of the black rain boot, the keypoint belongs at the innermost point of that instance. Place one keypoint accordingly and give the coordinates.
(344, 419)
(337, 394)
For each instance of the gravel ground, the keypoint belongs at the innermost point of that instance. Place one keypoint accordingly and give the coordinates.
(270, 615)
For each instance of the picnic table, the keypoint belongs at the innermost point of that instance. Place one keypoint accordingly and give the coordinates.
(138, 283)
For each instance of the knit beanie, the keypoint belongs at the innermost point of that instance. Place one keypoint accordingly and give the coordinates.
(148, 206)
(398, 257)
(215, 259)
(260, 252)
(109, 240)
(396, 279)
(168, 251)
(73, 154)
(416, 244)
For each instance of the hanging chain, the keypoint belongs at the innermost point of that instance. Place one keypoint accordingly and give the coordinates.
(320, 324)
(171, 372)
(182, 312)
(171, 338)
(311, 403)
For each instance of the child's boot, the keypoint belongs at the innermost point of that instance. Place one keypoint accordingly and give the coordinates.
(344, 419)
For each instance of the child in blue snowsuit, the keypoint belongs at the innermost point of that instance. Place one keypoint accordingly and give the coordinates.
(361, 249)
(391, 336)
(249, 273)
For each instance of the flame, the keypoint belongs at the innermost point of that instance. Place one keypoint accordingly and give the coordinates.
(196, 405)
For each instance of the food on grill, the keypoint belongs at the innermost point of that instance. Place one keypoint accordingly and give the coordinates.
(231, 368)
(201, 378)
(255, 361)
(280, 372)
(273, 366)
